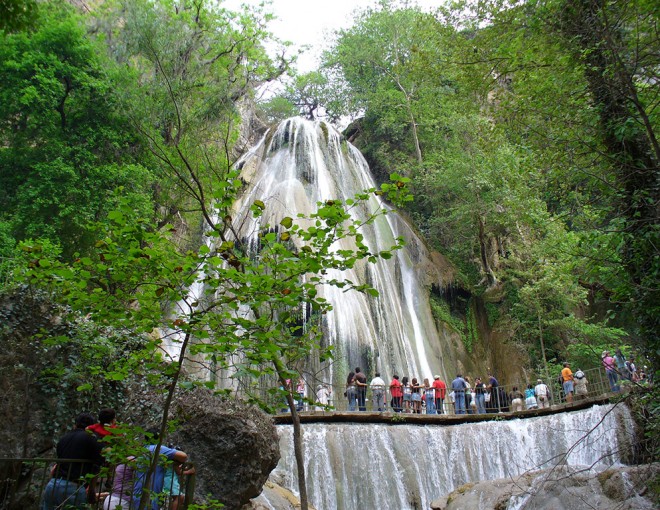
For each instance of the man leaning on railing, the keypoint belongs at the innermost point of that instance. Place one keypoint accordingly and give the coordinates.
(71, 485)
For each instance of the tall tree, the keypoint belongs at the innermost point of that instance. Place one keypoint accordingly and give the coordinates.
(617, 43)
(65, 143)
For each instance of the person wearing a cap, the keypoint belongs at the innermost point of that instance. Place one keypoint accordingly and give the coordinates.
(440, 391)
(542, 394)
(567, 377)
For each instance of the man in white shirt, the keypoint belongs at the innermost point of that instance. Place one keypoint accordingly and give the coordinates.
(542, 394)
(378, 391)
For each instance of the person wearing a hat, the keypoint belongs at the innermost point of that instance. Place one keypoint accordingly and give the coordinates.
(567, 377)
(440, 391)
(542, 394)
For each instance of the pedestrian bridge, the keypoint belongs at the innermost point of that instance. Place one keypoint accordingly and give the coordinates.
(392, 418)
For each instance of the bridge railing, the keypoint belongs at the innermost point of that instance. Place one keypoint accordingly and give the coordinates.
(499, 401)
(28, 483)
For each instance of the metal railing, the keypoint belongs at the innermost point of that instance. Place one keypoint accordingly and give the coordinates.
(341, 400)
(28, 483)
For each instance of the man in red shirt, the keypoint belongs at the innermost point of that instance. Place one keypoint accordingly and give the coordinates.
(397, 394)
(107, 421)
(440, 391)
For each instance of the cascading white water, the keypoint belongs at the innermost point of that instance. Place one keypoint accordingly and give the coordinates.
(399, 467)
(308, 162)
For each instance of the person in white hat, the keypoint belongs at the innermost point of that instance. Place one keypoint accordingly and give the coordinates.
(440, 392)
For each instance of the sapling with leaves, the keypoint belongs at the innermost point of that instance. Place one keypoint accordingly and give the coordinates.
(244, 320)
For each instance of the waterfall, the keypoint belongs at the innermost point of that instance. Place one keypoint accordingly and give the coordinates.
(398, 467)
(306, 162)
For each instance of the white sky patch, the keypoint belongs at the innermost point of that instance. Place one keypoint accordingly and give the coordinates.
(310, 22)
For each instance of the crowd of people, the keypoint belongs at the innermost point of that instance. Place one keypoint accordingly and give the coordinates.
(463, 396)
(75, 484)
(431, 397)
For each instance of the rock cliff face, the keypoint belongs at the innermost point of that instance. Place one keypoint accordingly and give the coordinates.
(622, 488)
(234, 446)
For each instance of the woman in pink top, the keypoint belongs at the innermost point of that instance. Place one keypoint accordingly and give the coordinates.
(610, 369)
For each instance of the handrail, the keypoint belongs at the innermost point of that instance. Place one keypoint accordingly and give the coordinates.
(597, 385)
(24, 481)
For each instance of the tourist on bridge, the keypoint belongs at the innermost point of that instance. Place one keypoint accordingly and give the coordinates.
(609, 363)
(378, 392)
(494, 403)
(516, 398)
(407, 394)
(397, 394)
(440, 391)
(323, 393)
(429, 397)
(620, 360)
(361, 385)
(632, 369)
(580, 383)
(459, 386)
(530, 398)
(480, 395)
(300, 390)
(542, 394)
(416, 396)
(567, 377)
(469, 405)
(351, 391)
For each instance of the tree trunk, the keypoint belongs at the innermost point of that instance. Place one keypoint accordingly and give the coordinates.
(483, 251)
(610, 72)
(297, 436)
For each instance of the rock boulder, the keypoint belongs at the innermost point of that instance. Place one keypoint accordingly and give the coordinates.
(620, 488)
(234, 446)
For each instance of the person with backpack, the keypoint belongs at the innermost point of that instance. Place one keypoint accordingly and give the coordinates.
(580, 381)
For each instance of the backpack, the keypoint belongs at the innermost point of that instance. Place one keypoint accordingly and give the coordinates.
(560, 380)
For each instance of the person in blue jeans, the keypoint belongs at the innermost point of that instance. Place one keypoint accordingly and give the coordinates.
(157, 481)
(480, 395)
(68, 487)
(429, 397)
(351, 391)
(459, 386)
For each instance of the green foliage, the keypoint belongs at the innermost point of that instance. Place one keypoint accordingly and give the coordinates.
(277, 109)
(65, 143)
(17, 14)
(442, 313)
(645, 406)
(498, 118)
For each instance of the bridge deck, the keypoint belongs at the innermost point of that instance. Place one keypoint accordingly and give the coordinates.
(391, 418)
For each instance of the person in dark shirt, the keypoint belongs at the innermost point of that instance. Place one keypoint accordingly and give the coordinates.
(68, 486)
(361, 383)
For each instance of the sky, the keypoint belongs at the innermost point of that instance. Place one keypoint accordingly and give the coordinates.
(305, 22)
